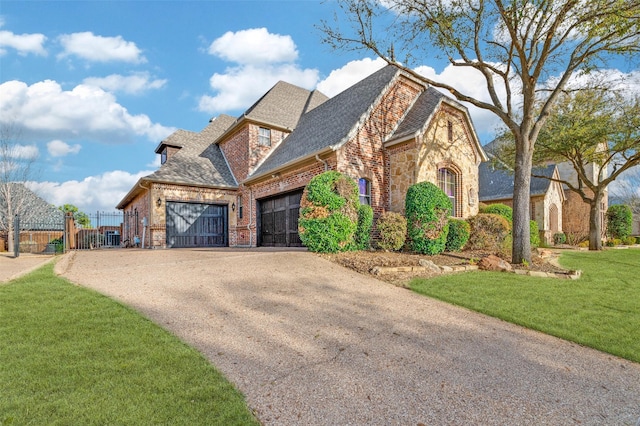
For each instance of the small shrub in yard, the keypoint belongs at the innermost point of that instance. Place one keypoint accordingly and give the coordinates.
(613, 242)
(427, 209)
(637, 240)
(499, 209)
(583, 244)
(392, 228)
(363, 230)
(329, 213)
(534, 234)
(488, 232)
(459, 231)
(619, 221)
(629, 241)
(559, 238)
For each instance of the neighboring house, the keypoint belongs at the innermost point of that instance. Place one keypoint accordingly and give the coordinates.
(547, 196)
(554, 206)
(40, 222)
(239, 181)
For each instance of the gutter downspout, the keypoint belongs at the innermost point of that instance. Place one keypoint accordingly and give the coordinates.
(326, 165)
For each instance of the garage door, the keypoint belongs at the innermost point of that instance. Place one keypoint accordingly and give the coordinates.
(196, 225)
(279, 220)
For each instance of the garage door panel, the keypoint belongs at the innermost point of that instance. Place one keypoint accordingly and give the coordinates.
(196, 225)
(279, 220)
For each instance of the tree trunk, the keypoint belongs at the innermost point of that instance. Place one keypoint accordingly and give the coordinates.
(521, 248)
(595, 229)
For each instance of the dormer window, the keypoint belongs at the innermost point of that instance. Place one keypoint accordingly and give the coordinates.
(264, 136)
(163, 156)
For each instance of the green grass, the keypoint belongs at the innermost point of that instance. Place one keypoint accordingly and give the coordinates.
(600, 310)
(71, 356)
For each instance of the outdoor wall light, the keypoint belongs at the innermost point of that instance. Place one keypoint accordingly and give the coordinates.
(159, 202)
(233, 207)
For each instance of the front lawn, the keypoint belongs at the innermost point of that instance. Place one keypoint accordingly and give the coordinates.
(71, 356)
(600, 310)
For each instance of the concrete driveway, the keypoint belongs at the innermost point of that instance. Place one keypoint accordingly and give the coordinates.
(309, 342)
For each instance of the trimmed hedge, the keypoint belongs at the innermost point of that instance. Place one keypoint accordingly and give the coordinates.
(459, 232)
(559, 238)
(363, 229)
(392, 228)
(329, 213)
(500, 209)
(488, 232)
(619, 221)
(427, 210)
(534, 234)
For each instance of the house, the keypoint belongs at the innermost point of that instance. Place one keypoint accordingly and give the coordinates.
(239, 181)
(553, 205)
(40, 222)
(547, 197)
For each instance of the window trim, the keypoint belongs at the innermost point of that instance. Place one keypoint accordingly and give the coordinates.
(264, 139)
(452, 178)
(366, 197)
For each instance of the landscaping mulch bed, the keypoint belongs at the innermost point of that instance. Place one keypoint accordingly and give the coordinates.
(365, 261)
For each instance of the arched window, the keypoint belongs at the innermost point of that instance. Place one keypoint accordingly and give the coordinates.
(364, 188)
(553, 218)
(447, 181)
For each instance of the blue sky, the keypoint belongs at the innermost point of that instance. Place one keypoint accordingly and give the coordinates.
(96, 85)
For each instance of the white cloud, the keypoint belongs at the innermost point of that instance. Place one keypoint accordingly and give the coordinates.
(92, 194)
(85, 111)
(23, 152)
(345, 77)
(58, 148)
(132, 84)
(240, 87)
(254, 46)
(262, 60)
(96, 48)
(470, 82)
(23, 43)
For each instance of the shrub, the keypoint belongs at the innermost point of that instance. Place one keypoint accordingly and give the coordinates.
(637, 240)
(488, 232)
(534, 234)
(393, 231)
(459, 231)
(619, 221)
(559, 238)
(583, 244)
(629, 241)
(427, 210)
(329, 213)
(499, 209)
(363, 229)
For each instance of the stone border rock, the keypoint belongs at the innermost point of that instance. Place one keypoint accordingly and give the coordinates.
(429, 266)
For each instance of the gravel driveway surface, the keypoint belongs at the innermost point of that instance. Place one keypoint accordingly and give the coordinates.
(309, 342)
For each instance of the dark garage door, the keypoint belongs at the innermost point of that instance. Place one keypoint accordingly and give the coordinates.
(196, 225)
(279, 220)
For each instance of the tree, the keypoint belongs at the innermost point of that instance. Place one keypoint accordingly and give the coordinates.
(81, 218)
(627, 190)
(16, 168)
(526, 51)
(598, 133)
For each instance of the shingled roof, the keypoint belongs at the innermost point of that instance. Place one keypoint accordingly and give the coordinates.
(331, 123)
(420, 113)
(497, 184)
(36, 213)
(200, 162)
(284, 104)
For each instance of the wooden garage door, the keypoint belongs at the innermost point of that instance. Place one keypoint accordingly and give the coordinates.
(196, 225)
(279, 220)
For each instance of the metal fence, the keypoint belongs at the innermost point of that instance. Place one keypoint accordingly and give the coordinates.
(58, 234)
(100, 230)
